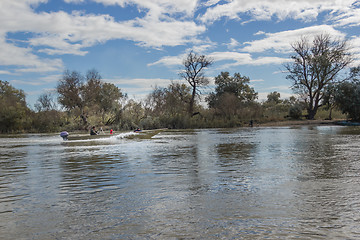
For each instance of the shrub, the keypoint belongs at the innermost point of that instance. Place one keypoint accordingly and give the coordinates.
(295, 111)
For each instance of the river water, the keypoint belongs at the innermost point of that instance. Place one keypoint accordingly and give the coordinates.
(246, 183)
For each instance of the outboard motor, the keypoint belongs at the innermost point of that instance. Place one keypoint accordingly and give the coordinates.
(64, 135)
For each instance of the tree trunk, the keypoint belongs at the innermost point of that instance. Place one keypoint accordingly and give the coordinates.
(84, 118)
(192, 101)
(330, 113)
(311, 113)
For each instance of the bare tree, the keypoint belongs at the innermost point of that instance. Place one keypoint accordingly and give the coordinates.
(193, 73)
(315, 65)
(45, 102)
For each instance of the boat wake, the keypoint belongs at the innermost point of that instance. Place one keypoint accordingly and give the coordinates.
(124, 135)
(101, 138)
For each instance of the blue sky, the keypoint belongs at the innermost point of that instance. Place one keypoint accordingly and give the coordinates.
(140, 44)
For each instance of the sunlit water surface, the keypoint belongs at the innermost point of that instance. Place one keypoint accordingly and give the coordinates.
(255, 183)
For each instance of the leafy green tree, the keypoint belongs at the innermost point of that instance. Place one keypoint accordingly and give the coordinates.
(273, 98)
(233, 96)
(193, 73)
(48, 121)
(89, 95)
(71, 93)
(347, 98)
(92, 88)
(329, 98)
(69, 89)
(155, 102)
(237, 86)
(177, 96)
(315, 65)
(169, 106)
(13, 112)
(133, 113)
(295, 111)
(170, 100)
(109, 101)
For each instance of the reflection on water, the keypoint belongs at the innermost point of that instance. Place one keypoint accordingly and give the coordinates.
(300, 182)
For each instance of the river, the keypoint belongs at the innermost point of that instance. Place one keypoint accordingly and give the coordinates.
(245, 183)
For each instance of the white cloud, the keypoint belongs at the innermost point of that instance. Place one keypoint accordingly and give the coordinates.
(25, 60)
(202, 48)
(235, 56)
(40, 81)
(3, 72)
(281, 42)
(259, 33)
(165, 23)
(211, 2)
(233, 44)
(157, 8)
(349, 18)
(305, 10)
(239, 59)
(56, 33)
(137, 82)
(256, 80)
(23, 82)
(235, 59)
(355, 50)
(74, 1)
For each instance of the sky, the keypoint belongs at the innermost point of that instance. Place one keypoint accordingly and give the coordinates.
(140, 44)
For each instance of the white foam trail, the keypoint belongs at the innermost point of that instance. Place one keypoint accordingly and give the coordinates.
(124, 135)
(106, 138)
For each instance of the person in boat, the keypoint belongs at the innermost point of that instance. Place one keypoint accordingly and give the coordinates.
(101, 131)
(111, 131)
(93, 131)
(137, 130)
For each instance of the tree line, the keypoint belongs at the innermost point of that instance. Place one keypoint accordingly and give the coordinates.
(319, 73)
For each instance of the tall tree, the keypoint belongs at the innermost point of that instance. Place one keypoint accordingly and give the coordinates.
(170, 100)
(92, 88)
(237, 86)
(193, 73)
(13, 111)
(69, 89)
(346, 95)
(232, 94)
(109, 100)
(315, 65)
(71, 92)
(347, 98)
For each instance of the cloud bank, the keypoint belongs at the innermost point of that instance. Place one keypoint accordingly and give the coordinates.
(35, 40)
